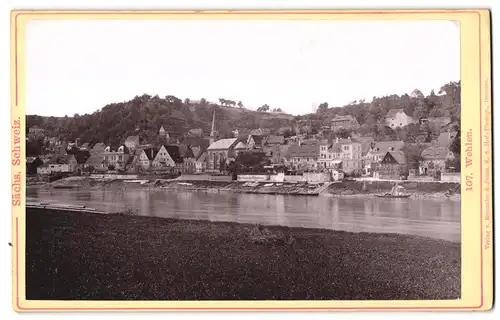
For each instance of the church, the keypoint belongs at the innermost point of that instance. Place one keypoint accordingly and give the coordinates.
(219, 150)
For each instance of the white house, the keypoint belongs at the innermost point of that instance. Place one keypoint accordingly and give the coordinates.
(163, 158)
(146, 156)
(63, 164)
(397, 118)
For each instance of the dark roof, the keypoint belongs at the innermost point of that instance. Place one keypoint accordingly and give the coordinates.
(383, 146)
(273, 139)
(398, 156)
(81, 156)
(310, 142)
(151, 153)
(174, 153)
(186, 151)
(303, 151)
(196, 142)
(58, 159)
(257, 139)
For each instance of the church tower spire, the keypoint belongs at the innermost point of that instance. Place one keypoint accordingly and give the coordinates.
(213, 133)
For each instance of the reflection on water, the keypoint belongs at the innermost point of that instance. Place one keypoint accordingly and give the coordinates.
(429, 218)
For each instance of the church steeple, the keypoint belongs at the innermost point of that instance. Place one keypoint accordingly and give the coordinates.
(213, 133)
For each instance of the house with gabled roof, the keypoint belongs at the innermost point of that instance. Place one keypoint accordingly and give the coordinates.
(340, 153)
(302, 157)
(116, 157)
(434, 160)
(188, 156)
(397, 118)
(274, 140)
(379, 149)
(59, 163)
(146, 157)
(201, 162)
(392, 166)
(162, 159)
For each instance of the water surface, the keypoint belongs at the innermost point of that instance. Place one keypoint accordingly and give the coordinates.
(439, 219)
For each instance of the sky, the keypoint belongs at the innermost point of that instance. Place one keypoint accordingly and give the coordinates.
(79, 66)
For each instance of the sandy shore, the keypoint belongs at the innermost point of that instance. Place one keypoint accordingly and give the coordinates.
(116, 256)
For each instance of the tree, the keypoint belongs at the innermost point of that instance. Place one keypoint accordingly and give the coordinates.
(264, 108)
(322, 107)
(342, 133)
(203, 101)
(249, 161)
(287, 133)
(186, 101)
(413, 155)
(240, 104)
(455, 145)
(453, 165)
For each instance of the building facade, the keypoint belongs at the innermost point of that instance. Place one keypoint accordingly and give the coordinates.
(397, 118)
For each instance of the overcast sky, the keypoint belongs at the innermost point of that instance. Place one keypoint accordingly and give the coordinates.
(80, 66)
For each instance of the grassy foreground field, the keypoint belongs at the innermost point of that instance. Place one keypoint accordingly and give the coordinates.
(72, 256)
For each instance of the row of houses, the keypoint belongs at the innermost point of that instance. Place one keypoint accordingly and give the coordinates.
(211, 154)
(395, 118)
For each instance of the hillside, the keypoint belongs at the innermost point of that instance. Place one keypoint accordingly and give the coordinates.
(144, 115)
(370, 115)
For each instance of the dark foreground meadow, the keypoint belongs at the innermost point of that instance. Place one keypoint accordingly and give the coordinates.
(74, 256)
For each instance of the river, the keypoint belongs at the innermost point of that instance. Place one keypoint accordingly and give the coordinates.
(439, 219)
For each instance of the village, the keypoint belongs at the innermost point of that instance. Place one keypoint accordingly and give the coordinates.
(320, 157)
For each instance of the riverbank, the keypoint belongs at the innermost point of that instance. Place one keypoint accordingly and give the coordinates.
(418, 190)
(86, 256)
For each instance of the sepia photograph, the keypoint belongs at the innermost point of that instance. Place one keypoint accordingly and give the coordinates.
(243, 159)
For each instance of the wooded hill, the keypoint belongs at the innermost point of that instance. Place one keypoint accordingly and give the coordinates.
(144, 115)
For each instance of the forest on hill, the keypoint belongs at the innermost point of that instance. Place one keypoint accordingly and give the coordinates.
(145, 114)
(370, 115)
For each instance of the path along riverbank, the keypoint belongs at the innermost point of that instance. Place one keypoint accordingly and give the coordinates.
(86, 256)
(420, 190)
